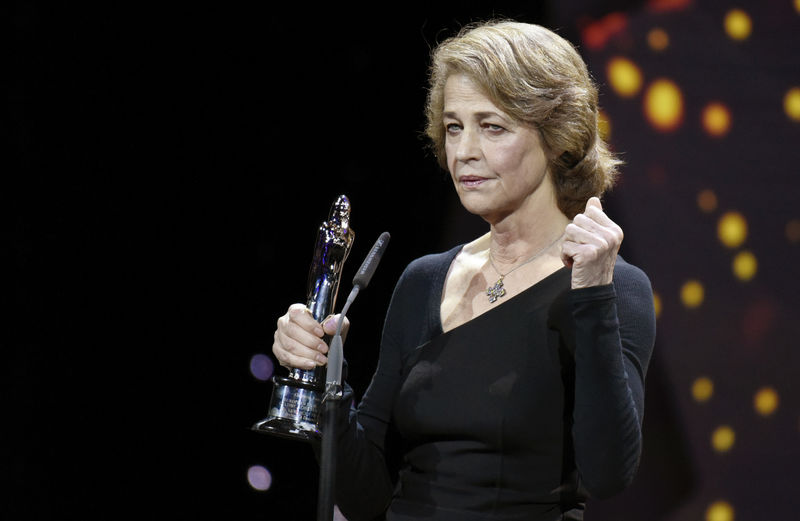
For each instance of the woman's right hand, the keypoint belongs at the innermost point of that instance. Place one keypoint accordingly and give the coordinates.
(299, 341)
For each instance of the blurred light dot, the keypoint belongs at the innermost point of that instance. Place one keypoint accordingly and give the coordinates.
(758, 319)
(692, 294)
(664, 6)
(707, 201)
(766, 401)
(702, 389)
(793, 230)
(716, 119)
(604, 125)
(738, 24)
(797, 5)
(732, 229)
(791, 103)
(719, 511)
(624, 76)
(261, 367)
(259, 477)
(657, 304)
(658, 39)
(663, 105)
(745, 266)
(723, 438)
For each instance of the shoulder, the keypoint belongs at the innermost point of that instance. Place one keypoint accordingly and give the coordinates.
(429, 268)
(630, 278)
(635, 304)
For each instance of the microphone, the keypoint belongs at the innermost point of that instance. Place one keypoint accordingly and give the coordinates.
(361, 279)
(367, 270)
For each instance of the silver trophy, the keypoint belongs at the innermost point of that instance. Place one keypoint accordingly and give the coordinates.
(296, 402)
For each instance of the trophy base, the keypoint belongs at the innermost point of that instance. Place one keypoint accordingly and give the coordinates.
(293, 411)
(288, 429)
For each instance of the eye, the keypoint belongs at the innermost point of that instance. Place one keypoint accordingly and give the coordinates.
(494, 128)
(452, 128)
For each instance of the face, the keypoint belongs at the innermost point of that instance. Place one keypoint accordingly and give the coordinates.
(498, 165)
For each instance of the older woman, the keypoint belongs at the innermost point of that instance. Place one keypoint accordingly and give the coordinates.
(511, 372)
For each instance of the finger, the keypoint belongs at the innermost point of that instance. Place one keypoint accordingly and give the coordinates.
(301, 315)
(589, 224)
(566, 257)
(588, 234)
(291, 353)
(300, 325)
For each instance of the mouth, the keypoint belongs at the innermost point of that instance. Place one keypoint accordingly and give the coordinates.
(471, 181)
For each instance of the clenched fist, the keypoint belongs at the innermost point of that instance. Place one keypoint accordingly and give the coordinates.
(298, 340)
(591, 243)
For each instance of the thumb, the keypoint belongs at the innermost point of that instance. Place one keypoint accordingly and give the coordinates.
(330, 324)
(594, 201)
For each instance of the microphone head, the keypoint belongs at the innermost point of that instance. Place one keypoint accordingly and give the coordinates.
(370, 264)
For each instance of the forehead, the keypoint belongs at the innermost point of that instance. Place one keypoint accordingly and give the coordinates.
(462, 93)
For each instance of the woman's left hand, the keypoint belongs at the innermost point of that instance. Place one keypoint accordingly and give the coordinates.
(591, 243)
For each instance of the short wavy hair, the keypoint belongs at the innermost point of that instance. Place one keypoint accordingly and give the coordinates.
(538, 78)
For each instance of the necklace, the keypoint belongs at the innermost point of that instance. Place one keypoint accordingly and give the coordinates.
(497, 290)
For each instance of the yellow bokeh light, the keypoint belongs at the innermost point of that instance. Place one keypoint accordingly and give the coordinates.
(738, 24)
(791, 103)
(723, 438)
(707, 201)
(663, 105)
(716, 119)
(766, 401)
(719, 511)
(793, 230)
(604, 125)
(658, 39)
(732, 229)
(657, 304)
(624, 76)
(797, 5)
(745, 265)
(702, 389)
(692, 294)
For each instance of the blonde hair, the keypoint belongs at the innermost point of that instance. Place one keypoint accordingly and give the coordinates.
(538, 78)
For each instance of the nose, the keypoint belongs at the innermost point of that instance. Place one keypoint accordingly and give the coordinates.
(468, 146)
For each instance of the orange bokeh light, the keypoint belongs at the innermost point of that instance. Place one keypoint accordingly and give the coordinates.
(658, 39)
(624, 76)
(663, 105)
(716, 119)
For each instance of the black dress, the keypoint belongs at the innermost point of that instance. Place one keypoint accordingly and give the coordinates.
(522, 413)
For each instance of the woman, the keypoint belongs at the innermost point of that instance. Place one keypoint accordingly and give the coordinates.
(511, 370)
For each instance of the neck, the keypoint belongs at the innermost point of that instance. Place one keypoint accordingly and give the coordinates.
(517, 238)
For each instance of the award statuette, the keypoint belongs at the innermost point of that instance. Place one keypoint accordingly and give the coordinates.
(296, 401)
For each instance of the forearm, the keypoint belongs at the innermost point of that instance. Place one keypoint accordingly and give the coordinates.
(608, 395)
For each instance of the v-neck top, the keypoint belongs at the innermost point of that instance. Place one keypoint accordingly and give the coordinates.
(523, 412)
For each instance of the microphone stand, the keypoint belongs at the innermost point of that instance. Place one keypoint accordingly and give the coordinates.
(333, 385)
(331, 400)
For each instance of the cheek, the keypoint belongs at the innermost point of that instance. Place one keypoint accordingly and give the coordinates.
(506, 159)
(449, 155)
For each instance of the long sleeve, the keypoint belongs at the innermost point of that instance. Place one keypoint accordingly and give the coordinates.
(614, 338)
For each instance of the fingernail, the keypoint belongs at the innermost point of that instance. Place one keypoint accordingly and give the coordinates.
(321, 360)
(322, 348)
(319, 331)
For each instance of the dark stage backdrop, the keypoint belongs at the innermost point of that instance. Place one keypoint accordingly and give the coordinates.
(168, 166)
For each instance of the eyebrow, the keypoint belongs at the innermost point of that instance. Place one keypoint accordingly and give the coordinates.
(477, 115)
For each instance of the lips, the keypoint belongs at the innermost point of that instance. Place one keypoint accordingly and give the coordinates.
(471, 181)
